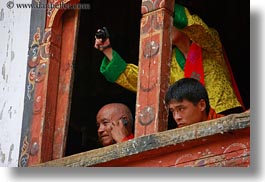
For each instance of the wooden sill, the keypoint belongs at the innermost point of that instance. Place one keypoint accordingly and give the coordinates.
(141, 150)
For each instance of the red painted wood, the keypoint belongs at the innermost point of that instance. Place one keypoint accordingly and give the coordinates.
(52, 89)
(70, 19)
(226, 150)
(50, 110)
(36, 126)
(45, 97)
(154, 69)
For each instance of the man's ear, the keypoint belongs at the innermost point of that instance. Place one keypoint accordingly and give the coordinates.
(202, 105)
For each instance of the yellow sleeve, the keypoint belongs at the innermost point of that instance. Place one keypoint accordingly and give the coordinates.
(128, 79)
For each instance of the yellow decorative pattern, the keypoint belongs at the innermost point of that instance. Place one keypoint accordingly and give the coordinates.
(128, 79)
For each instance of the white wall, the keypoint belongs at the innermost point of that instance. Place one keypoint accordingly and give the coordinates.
(14, 40)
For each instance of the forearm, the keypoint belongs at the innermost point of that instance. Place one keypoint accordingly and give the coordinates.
(108, 53)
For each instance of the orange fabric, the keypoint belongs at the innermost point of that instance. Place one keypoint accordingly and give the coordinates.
(213, 115)
(131, 136)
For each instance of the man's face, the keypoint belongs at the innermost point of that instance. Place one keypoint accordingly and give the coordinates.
(186, 113)
(104, 124)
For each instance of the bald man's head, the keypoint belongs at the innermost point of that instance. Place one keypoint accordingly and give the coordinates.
(111, 113)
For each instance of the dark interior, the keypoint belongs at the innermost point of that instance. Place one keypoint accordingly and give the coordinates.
(122, 18)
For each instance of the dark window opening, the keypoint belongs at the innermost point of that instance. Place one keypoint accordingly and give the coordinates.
(90, 89)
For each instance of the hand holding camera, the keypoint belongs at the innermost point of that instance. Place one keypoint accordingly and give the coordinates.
(102, 34)
(102, 39)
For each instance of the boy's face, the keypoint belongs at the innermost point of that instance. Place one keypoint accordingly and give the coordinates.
(186, 113)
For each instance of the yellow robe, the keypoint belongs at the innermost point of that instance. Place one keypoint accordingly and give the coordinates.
(216, 75)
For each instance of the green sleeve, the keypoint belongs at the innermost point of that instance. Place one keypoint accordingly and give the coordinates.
(112, 69)
(180, 19)
(180, 58)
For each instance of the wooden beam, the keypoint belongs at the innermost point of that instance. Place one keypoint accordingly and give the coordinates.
(154, 67)
(68, 48)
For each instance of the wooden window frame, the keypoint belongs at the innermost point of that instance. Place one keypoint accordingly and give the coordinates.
(46, 138)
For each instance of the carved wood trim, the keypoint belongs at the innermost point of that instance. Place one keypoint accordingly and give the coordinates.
(227, 134)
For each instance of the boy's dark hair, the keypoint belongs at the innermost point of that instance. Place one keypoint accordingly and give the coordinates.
(188, 89)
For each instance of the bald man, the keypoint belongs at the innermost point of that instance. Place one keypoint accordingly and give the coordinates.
(115, 123)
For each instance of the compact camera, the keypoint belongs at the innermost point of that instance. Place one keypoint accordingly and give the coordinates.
(102, 34)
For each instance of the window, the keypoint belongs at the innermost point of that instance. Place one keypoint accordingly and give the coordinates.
(90, 89)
